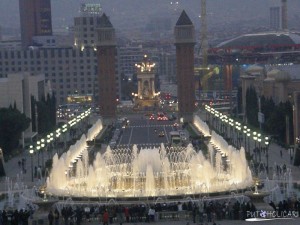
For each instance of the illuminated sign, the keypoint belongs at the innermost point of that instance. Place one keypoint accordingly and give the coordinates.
(91, 8)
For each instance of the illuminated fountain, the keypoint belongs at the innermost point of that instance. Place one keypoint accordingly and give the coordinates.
(133, 172)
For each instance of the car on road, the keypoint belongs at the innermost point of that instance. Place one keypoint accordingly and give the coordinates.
(152, 117)
(162, 118)
(171, 117)
(161, 134)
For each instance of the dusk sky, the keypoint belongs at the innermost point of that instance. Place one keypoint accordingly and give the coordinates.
(135, 11)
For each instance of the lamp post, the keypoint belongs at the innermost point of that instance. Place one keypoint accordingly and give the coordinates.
(38, 152)
(58, 133)
(64, 130)
(31, 156)
(245, 135)
(267, 152)
(248, 135)
(42, 148)
(48, 143)
(255, 150)
(259, 146)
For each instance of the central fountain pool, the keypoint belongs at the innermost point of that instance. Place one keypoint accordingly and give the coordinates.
(157, 171)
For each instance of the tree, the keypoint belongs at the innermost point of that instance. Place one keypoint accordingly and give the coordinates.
(251, 106)
(239, 100)
(268, 108)
(46, 110)
(12, 124)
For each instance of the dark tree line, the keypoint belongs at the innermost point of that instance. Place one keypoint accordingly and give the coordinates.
(44, 113)
(276, 116)
(252, 107)
(12, 124)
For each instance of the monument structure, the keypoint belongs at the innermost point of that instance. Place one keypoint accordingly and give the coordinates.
(146, 96)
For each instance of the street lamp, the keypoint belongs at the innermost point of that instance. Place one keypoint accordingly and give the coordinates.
(255, 139)
(259, 146)
(48, 142)
(267, 152)
(248, 135)
(31, 155)
(245, 134)
(42, 148)
(38, 151)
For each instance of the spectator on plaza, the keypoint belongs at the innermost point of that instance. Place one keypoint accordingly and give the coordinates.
(201, 211)
(1, 219)
(105, 217)
(179, 206)
(50, 217)
(297, 205)
(15, 218)
(120, 216)
(151, 214)
(4, 217)
(78, 216)
(39, 172)
(35, 171)
(65, 214)
(272, 205)
(24, 216)
(126, 212)
(56, 217)
(194, 212)
(87, 212)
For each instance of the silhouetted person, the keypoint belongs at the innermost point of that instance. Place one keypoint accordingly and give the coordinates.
(56, 217)
(50, 217)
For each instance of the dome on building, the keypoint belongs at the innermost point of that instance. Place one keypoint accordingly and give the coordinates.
(282, 76)
(273, 73)
(254, 69)
(278, 75)
(262, 40)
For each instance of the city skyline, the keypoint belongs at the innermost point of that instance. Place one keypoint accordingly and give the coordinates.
(137, 13)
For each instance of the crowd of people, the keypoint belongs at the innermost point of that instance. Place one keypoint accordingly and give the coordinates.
(205, 211)
(15, 217)
(200, 211)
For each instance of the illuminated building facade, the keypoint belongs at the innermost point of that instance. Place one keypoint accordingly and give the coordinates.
(85, 25)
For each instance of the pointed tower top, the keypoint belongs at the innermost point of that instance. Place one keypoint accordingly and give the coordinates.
(184, 19)
(104, 21)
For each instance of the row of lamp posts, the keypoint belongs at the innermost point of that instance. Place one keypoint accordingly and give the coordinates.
(234, 130)
(43, 144)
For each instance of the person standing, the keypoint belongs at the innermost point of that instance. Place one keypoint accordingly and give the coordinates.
(105, 217)
(50, 217)
(56, 217)
(120, 216)
(126, 212)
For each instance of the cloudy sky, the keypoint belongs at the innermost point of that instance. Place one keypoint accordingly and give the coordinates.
(135, 11)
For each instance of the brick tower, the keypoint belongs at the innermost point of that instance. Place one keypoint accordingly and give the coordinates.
(106, 55)
(184, 42)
